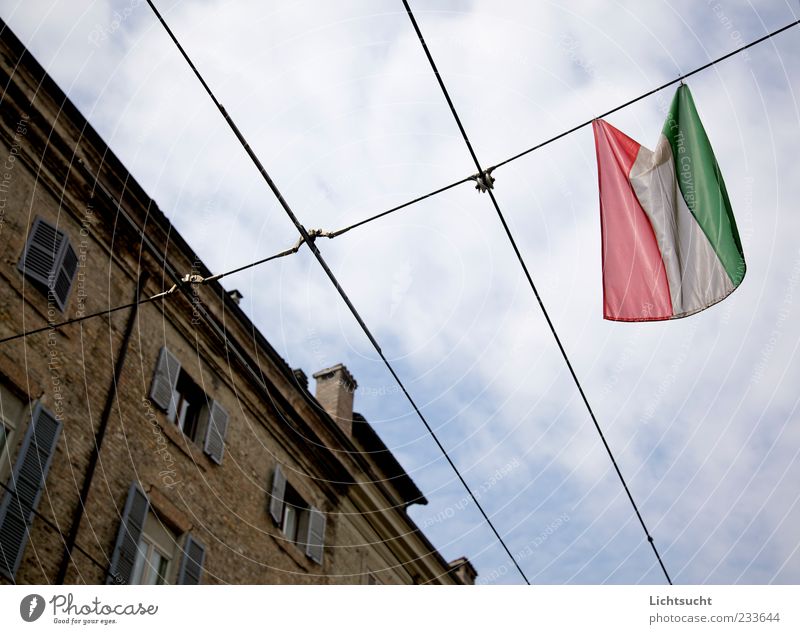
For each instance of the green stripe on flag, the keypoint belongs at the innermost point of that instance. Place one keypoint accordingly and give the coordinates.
(701, 184)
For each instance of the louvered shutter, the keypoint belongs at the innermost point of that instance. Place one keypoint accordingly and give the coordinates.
(42, 252)
(164, 379)
(216, 427)
(194, 555)
(315, 542)
(278, 491)
(27, 483)
(130, 531)
(64, 275)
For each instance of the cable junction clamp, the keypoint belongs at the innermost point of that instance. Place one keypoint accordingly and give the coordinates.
(192, 278)
(484, 180)
(319, 233)
(195, 279)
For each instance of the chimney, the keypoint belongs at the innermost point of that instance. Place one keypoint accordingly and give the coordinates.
(464, 571)
(301, 378)
(235, 295)
(335, 387)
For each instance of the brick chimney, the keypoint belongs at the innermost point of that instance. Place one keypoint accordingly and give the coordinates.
(464, 571)
(335, 387)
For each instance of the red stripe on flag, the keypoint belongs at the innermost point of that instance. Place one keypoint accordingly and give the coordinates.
(635, 286)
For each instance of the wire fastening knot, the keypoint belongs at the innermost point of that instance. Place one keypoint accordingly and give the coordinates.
(484, 181)
(319, 233)
(193, 278)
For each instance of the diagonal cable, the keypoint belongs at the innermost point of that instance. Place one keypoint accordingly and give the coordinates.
(304, 234)
(533, 288)
(653, 91)
(75, 320)
(338, 232)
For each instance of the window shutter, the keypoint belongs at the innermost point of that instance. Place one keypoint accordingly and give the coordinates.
(215, 431)
(27, 482)
(278, 491)
(194, 555)
(315, 543)
(64, 275)
(50, 260)
(130, 531)
(42, 252)
(164, 379)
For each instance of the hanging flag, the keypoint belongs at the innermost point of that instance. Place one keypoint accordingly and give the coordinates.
(670, 244)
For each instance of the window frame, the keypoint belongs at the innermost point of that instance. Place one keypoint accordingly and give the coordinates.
(27, 482)
(6, 434)
(295, 506)
(8, 413)
(150, 544)
(144, 565)
(209, 421)
(301, 523)
(188, 399)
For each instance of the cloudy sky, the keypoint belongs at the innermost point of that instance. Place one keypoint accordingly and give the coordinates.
(339, 103)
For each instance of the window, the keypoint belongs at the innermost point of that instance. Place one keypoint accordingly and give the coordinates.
(300, 522)
(202, 419)
(147, 552)
(186, 406)
(295, 517)
(5, 452)
(151, 566)
(12, 412)
(3, 435)
(25, 486)
(155, 554)
(49, 261)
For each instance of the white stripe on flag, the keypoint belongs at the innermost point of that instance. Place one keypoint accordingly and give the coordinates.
(696, 276)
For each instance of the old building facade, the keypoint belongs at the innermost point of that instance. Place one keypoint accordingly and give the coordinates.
(166, 442)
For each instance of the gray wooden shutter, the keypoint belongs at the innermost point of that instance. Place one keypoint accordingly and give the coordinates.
(315, 542)
(27, 483)
(64, 275)
(215, 431)
(278, 491)
(130, 531)
(164, 379)
(194, 555)
(50, 260)
(42, 252)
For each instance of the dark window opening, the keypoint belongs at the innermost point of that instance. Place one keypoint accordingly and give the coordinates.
(301, 523)
(188, 401)
(3, 436)
(295, 517)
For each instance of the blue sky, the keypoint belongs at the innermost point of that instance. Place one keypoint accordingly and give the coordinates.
(340, 105)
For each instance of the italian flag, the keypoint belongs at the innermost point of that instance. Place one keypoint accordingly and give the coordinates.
(670, 244)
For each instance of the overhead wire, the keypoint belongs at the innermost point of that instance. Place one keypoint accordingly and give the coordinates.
(339, 232)
(75, 320)
(672, 82)
(573, 129)
(489, 170)
(532, 285)
(315, 251)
